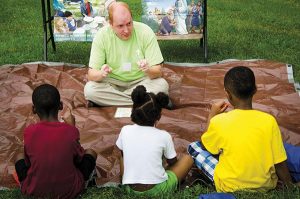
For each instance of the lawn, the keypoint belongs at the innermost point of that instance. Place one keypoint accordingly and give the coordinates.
(239, 29)
(192, 192)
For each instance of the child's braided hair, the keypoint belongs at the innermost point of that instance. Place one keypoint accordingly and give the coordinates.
(147, 106)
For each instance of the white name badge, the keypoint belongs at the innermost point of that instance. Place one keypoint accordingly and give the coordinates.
(126, 67)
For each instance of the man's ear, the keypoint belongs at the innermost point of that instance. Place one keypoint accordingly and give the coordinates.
(61, 106)
(33, 109)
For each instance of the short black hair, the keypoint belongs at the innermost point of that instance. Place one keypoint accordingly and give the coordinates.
(46, 100)
(68, 14)
(147, 107)
(240, 81)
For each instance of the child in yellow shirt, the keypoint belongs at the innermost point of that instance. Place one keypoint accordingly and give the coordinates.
(248, 142)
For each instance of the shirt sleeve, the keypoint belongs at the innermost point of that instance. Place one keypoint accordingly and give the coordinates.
(98, 55)
(27, 161)
(212, 139)
(169, 151)
(152, 51)
(119, 141)
(25, 140)
(279, 154)
(78, 149)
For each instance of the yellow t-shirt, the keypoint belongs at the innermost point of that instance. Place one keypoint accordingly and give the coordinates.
(250, 144)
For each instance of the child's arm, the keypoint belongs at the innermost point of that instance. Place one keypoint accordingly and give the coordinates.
(283, 174)
(171, 162)
(121, 165)
(78, 152)
(216, 108)
(68, 118)
(21, 167)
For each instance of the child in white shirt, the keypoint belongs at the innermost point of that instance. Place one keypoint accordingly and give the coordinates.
(143, 147)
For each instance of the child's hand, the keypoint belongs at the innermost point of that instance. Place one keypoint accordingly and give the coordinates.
(218, 107)
(68, 118)
(143, 65)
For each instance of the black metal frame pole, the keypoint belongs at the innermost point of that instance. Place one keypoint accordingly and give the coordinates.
(47, 19)
(50, 18)
(205, 32)
(45, 49)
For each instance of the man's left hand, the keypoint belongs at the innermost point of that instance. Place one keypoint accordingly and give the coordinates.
(151, 71)
(143, 65)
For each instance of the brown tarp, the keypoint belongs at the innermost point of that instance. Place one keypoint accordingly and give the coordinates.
(191, 89)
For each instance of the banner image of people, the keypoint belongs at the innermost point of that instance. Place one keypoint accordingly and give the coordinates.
(78, 20)
(173, 17)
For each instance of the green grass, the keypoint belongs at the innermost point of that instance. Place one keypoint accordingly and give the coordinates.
(240, 29)
(193, 192)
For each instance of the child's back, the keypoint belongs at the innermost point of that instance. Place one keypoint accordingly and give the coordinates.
(143, 149)
(144, 146)
(51, 149)
(248, 142)
(54, 165)
(250, 145)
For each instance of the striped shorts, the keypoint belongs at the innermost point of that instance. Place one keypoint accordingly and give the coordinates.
(204, 160)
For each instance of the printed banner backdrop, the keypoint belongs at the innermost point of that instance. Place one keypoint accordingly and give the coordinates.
(78, 20)
(174, 17)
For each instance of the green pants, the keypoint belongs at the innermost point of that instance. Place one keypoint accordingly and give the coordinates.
(167, 186)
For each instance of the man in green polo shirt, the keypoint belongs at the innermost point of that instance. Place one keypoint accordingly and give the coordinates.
(124, 54)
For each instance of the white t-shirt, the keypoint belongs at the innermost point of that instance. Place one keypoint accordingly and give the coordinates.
(143, 148)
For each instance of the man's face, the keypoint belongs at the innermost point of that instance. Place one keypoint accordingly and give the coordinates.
(122, 24)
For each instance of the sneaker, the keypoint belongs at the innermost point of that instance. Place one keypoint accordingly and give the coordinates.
(92, 183)
(196, 176)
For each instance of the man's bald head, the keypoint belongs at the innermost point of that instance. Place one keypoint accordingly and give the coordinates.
(118, 8)
(120, 20)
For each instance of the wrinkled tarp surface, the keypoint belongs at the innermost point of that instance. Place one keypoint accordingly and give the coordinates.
(192, 90)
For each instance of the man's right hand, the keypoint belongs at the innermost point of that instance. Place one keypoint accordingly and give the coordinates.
(105, 69)
(98, 75)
